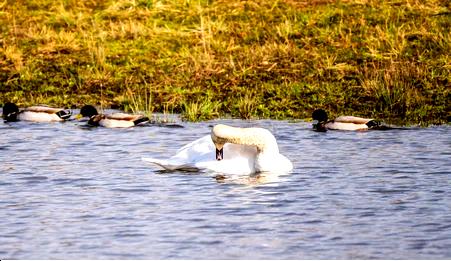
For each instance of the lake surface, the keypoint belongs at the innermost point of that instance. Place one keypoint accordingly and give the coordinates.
(71, 192)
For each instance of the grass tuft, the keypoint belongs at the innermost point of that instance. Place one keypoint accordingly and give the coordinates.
(247, 59)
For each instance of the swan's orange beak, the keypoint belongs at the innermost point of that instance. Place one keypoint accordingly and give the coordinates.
(219, 154)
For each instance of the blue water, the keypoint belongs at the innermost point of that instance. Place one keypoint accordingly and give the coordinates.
(71, 192)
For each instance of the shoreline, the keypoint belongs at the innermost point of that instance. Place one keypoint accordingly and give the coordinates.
(282, 60)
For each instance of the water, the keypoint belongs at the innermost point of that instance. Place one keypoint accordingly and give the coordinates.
(70, 192)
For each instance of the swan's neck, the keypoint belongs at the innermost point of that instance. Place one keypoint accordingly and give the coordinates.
(261, 138)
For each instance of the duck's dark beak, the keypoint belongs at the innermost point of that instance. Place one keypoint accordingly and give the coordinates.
(219, 154)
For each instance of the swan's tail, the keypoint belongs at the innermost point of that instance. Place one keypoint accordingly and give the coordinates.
(167, 165)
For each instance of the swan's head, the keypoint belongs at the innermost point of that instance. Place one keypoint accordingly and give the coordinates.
(217, 136)
(319, 117)
(261, 138)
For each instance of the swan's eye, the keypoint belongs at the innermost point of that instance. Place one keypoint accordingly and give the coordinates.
(219, 154)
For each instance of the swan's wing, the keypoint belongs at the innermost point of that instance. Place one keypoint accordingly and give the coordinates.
(200, 155)
(196, 150)
(203, 149)
(201, 144)
(187, 156)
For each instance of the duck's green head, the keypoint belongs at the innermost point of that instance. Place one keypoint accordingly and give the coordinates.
(87, 111)
(10, 111)
(319, 117)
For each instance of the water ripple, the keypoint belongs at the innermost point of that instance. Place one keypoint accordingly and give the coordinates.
(72, 192)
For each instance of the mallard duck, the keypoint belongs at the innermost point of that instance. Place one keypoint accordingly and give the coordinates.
(35, 113)
(115, 120)
(343, 122)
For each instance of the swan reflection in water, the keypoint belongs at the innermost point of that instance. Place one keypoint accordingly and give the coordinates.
(236, 179)
(250, 180)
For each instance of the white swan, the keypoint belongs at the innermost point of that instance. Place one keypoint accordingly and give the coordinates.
(237, 150)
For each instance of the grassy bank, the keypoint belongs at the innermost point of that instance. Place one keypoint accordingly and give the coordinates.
(272, 59)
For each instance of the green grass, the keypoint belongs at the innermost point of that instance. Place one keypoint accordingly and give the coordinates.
(248, 59)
